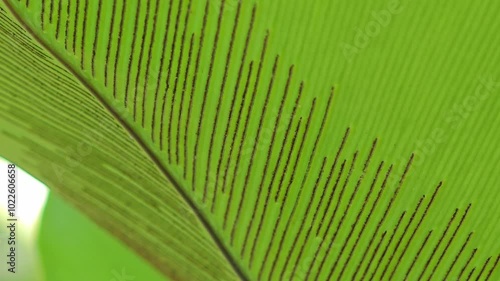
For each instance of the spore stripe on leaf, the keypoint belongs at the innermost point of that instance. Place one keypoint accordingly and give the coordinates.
(254, 148)
(417, 227)
(417, 255)
(266, 165)
(312, 224)
(118, 49)
(59, 15)
(269, 187)
(349, 203)
(219, 102)
(386, 211)
(301, 227)
(139, 63)
(160, 72)
(482, 268)
(233, 99)
(379, 262)
(84, 34)
(193, 86)
(96, 36)
(108, 48)
(190, 99)
(332, 194)
(452, 265)
(282, 205)
(152, 39)
(132, 52)
(356, 220)
(240, 112)
(440, 259)
(245, 91)
(176, 77)
(167, 88)
(75, 25)
(492, 268)
(467, 264)
(401, 237)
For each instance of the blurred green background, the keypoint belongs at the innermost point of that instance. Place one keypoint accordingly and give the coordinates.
(61, 244)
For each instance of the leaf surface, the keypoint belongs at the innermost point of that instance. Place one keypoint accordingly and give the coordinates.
(266, 140)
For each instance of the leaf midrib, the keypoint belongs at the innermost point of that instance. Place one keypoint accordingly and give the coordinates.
(208, 227)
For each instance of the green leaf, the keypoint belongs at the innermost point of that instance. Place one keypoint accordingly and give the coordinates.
(266, 140)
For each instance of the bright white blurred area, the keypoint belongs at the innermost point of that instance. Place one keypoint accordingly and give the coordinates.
(30, 199)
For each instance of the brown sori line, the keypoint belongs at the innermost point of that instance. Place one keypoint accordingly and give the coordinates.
(205, 94)
(110, 37)
(440, 259)
(221, 97)
(339, 199)
(245, 91)
(356, 220)
(236, 130)
(245, 126)
(139, 63)
(262, 216)
(68, 17)
(401, 237)
(365, 223)
(75, 26)
(233, 99)
(323, 122)
(457, 256)
(193, 86)
(482, 268)
(160, 72)
(374, 254)
(268, 193)
(470, 274)
(297, 128)
(333, 216)
(381, 221)
(42, 14)
(329, 178)
(96, 36)
(334, 165)
(84, 33)
(315, 256)
(466, 264)
(254, 148)
(188, 66)
(118, 49)
(149, 55)
(416, 228)
(299, 153)
(492, 268)
(58, 27)
(346, 211)
(132, 48)
(269, 151)
(176, 80)
(332, 194)
(51, 10)
(418, 255)
(306, 239)
(266, 165)
(167, 88)
(310, 201)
